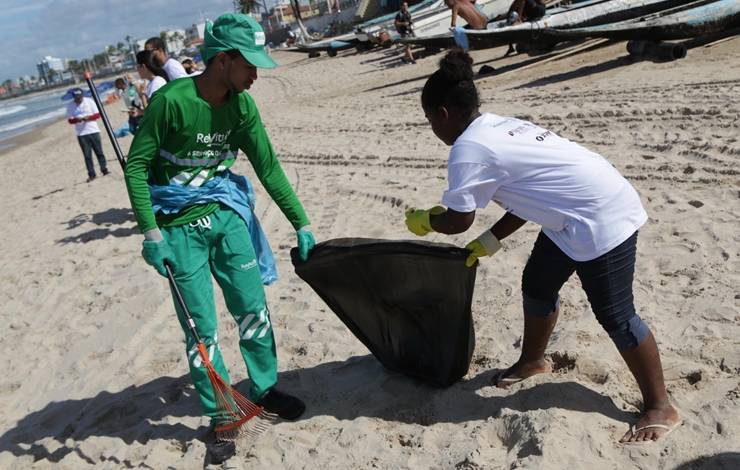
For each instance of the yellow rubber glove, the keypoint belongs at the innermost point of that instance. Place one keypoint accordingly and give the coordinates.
(417, 220)
(485, 245)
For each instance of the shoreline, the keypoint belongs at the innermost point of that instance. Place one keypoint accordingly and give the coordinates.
(24, 138)
(13, 138)
(19, 140)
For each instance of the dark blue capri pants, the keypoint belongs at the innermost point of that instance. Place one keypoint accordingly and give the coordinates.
(607, 281)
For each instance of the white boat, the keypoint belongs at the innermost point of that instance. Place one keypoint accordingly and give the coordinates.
(589, 13)
(367, 30)
(437, 21)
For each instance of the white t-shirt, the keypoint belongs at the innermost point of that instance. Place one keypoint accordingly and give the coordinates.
(155, 84)
(174, 69)
(86, 108)
(584, 205)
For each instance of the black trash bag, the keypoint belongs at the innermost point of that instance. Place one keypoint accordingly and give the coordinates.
(408, 302)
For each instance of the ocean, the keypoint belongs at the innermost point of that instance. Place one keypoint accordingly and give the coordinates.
(25, 113)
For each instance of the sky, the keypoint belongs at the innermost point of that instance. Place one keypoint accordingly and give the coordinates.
(74, 29)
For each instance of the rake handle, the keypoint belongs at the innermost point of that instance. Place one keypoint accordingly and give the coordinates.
(181, 302)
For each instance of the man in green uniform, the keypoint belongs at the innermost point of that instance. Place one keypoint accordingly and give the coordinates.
(197, 216)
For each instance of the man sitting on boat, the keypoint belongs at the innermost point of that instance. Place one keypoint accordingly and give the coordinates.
(528, 10)
(523, 10)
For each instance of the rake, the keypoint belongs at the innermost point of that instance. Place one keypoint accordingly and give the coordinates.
(237, 415)
(235, 410)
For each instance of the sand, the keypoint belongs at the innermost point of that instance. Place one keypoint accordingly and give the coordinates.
(95, 375)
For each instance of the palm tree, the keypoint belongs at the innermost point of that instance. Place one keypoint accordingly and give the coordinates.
(76, 67)
(131, 48)
(100, 60)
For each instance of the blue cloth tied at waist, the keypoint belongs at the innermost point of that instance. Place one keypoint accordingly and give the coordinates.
(234, 191)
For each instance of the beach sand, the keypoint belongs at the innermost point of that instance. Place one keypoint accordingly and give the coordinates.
(95, 372)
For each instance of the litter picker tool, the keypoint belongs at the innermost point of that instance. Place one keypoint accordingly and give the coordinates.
(106, 122)
(236, 412)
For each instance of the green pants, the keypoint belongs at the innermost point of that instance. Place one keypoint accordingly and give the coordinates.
(219, 245)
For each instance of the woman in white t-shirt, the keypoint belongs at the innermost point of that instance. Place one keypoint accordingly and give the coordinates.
(150, 71)
(589, 216)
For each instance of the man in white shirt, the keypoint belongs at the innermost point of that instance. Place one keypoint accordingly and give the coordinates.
(82, 112)
(172, 68)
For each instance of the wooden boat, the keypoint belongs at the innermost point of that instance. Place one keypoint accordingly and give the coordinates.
(364, 31)
(697, 18)
(330, 45)
(438, 22)
(595, 12)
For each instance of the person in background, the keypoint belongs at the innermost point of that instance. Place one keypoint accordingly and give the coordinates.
(149, 70)
(589, 216)
(523, 10)
(529, 10)
(132, 101)
(189, 65)
(404, 27)
(172, 68)
(195, 214)
(466, 10)
(82, 112)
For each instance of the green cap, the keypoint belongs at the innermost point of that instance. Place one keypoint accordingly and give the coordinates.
(237, 31)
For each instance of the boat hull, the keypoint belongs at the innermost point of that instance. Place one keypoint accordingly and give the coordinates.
(704, 18)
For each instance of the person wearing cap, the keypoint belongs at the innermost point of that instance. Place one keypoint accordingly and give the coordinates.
(172, 67)
(197, 216)
(82, 112)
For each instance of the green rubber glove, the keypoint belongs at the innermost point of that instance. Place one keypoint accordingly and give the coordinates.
(156, 253)
(306, 242)
(417, 220)
(485, 245)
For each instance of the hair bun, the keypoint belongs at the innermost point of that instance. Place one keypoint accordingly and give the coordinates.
(456, 66)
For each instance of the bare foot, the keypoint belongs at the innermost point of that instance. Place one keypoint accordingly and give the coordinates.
(653, 424)
(520, 371)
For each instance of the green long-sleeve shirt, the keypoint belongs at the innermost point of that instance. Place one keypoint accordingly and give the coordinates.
(182, 139)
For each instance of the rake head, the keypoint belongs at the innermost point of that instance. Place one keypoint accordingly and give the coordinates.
(238, 416)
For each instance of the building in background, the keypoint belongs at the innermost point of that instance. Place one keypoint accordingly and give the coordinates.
(51, 69)
(195, 34)
(193, 40)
